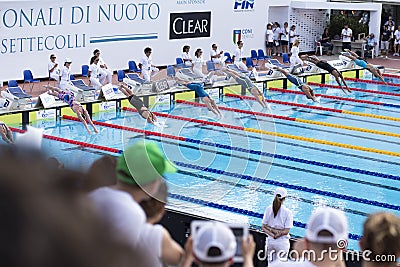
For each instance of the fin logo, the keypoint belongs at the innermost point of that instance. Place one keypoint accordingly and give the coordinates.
(243, 5)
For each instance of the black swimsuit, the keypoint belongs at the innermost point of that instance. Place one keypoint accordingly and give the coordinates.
(138, 104)
(326, 66)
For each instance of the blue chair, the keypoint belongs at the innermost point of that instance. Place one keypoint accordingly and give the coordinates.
(71, 77)
(285, 58)
(261, 55)
(133, 67)
(253, 55)
(12, 83)
(121, 75)
(15, 90)
(249, 62)
(179, 63)
(85, 71)
(171, 71)
(210, 66)
(28, 78)
(228, 57)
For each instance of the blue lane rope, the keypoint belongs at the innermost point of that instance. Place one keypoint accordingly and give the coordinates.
(308, 171)
(239, 210)
(302, 146)
(271, 192)
(295, 187)
(305, 161)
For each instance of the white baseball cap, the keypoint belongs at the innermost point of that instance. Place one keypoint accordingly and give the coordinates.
(214, 235)
(282, 192)
(332, 220)
(67, 60)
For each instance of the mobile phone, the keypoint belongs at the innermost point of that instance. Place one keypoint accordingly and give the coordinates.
(239, 230)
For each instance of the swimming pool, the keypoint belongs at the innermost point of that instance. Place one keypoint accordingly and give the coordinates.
(333, 153)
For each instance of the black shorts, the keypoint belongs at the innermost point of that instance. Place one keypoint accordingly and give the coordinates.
(270, 44)
(326, 66)
(283, 42)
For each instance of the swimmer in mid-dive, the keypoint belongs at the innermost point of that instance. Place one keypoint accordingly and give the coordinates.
(246, 84)
(76, 107)
(138, 104)
(364, 64)
(308, 91)
(329, 68)
(6, 133)
(199, 89)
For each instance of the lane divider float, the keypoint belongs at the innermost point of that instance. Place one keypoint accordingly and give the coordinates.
(337, 98)
(353, 89)
(371, 81)
(319, 108)
(73, 142)
(288, 136)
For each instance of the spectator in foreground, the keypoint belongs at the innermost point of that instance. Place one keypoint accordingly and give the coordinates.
(139, 172)
(215, 246)
(326, 230)
(46, 222)
(381, 236)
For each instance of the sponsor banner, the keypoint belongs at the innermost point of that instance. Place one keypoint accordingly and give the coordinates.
(33, 30)
(213, 92)
(45, 114)
(163, 99)
(242, 34)
(189, 25)
(243, 5)
(111, 105)
(190, 2)
(237, 36)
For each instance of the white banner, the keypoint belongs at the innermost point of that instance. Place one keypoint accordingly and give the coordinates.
(32, 30)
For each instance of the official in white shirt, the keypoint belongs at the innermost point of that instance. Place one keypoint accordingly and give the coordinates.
(146, 65)
(276, 223)
(216, 55)
(238, 55)
(53, 68)
(94, 71)
(187, 59)
(105, 73)
(198, 63)
(347, 33)
(65, 74)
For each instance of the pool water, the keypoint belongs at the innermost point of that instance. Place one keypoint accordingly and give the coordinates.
(230, 174)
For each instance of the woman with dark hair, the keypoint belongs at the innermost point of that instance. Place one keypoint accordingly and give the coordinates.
(326, 41)
(381, 238)
(198, 63)
(94, 72)
(187, 59)
(276, 223)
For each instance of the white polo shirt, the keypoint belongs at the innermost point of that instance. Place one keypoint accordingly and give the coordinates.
(214, 53)
(51, 65)
(238, 55)
(347, 32)
(146, 62)
(94, 70)
(283, 219)
(65, 74)
(285, 34)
